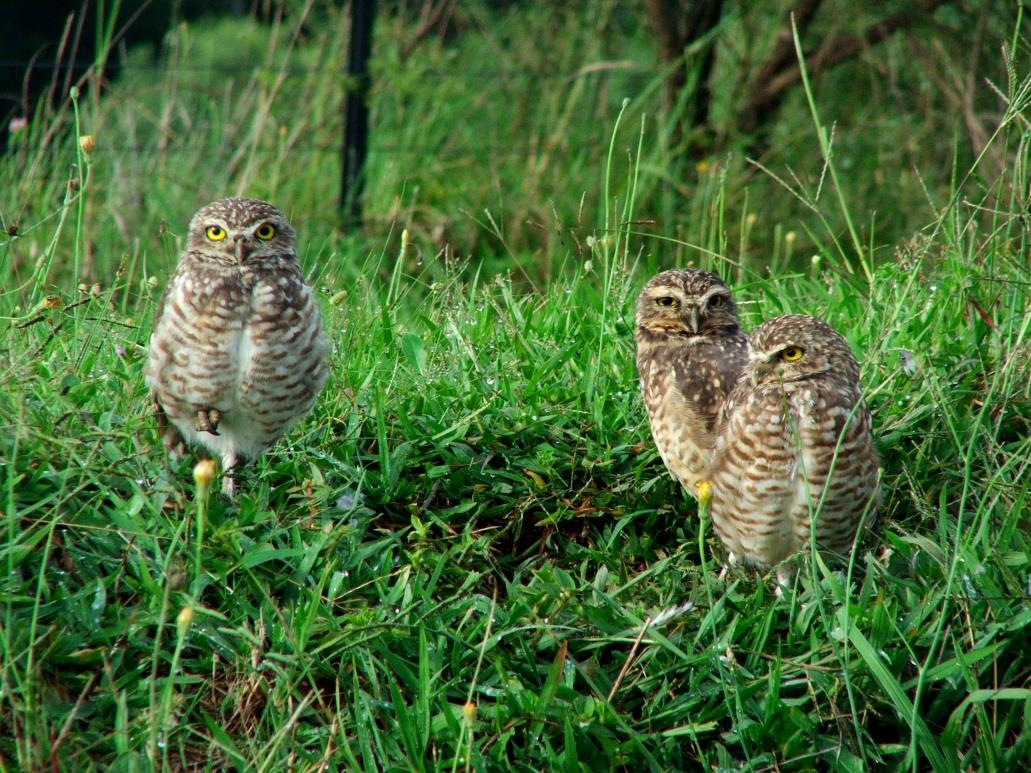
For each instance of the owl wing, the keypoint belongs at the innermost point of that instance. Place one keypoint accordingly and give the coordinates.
(156, 357)
(736, 390)
(705, 374)
(843, 460)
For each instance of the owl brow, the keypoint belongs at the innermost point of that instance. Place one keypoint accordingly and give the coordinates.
(716, 291)
(664, 291)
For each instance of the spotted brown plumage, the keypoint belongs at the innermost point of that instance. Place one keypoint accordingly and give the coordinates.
(794, 455)
(237, 353)
(690, 350)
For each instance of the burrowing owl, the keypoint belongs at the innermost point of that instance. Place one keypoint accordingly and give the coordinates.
(690, 352)
(237, 353)
(794, 455)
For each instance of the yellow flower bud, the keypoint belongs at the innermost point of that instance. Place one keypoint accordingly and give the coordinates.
(204, 473)
(87, 142)
(182, 622)
(704, 491)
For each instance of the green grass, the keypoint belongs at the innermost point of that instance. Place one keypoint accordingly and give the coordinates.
(470, 556)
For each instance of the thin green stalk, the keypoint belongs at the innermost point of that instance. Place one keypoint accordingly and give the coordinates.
(203, 475)
(83, 146)
(155, 655)
(826, 150)
(469, 709)
(733, 697)
(183, 620)
(607, 265)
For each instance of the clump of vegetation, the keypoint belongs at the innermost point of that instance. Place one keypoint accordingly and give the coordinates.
(470, 556)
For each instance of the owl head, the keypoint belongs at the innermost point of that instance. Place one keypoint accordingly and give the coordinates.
(686, 303)
(239, 232)
(795, 348)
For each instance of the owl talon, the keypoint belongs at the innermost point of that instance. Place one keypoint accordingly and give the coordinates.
(207, 420)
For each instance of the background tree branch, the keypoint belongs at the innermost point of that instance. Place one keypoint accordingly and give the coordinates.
(781, 72)
(678, 24)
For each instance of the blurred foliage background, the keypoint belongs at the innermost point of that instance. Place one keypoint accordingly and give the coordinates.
(492, 121)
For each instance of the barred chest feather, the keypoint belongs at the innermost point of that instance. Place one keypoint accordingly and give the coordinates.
(246, 342)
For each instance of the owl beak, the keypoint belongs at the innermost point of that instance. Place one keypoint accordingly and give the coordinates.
(693, 323)
(243, 250)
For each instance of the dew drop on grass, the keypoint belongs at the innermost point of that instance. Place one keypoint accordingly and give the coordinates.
(99, 602)
(348, 500)
(909, 365)
(969, 587)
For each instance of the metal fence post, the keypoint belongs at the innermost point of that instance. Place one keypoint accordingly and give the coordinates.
(356, 110)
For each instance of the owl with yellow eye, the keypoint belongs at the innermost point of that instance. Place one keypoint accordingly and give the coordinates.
(237, 353)
(794, 461)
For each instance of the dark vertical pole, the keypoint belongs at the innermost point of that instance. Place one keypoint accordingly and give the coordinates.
(356, 110)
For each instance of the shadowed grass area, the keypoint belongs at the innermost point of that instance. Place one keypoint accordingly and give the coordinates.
(469, 556)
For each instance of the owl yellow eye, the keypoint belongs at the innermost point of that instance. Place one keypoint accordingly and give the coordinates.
(666, 300)
(215, 232)
(791, 354)
(716, 302)
(265, 231)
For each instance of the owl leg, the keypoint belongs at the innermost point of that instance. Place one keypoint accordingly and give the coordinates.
(207, 420)
(173, 442)
(785, 576)
(230, 461)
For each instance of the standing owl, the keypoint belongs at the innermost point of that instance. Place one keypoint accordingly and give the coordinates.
(690, 351)
(795, 456)
(237, 353)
